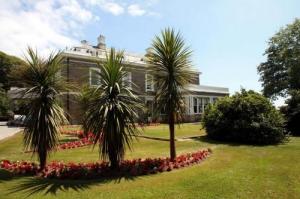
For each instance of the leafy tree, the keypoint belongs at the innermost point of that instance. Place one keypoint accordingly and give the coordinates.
(246, 117)
(111, 111)
(7, 64)
(280, 73)
(4, 103)
(292, 112)
(170, 62)
(45, 116)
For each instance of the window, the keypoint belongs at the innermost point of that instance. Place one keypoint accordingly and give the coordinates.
(149, 83)
(205, 102)
(94, 76)
(214, 99)
(195, 104)
(127, 79)
(200, 103)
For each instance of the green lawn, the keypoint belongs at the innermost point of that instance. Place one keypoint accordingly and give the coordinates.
(233, 171)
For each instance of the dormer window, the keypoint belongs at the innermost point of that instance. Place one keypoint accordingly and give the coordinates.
(94, 76)
(149, 82)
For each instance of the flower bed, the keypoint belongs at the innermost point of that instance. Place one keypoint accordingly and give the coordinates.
(83, 141)
(78, 133)
(75, 144)
(134, 167)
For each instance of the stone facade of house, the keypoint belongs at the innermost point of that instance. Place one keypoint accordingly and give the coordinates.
(81, 62)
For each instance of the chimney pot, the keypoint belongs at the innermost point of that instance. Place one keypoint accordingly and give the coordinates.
(101, 42)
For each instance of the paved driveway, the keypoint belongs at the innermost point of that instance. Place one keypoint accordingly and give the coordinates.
(6, 131)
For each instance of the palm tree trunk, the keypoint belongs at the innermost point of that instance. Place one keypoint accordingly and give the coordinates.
(172, 137)
(43, 159)
(114, 163)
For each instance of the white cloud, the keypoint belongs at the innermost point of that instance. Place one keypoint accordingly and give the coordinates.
(54, 24)
(113, 8)
(73, 9)
(46, 25)
(136, 10)
(108, 6)
(119, 7)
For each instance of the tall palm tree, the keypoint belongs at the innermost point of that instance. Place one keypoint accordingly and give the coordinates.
(112, 110)
(43, 83)
(170, 62)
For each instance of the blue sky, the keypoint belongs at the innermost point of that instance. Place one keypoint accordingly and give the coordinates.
(228, 37)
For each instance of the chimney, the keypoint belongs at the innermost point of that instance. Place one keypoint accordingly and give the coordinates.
(84, 43)
(101, 42)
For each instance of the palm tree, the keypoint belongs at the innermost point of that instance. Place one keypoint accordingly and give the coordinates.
(45, 115)
(112, 110)
(170, 64)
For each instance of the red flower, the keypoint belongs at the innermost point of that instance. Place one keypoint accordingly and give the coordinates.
(95, 170)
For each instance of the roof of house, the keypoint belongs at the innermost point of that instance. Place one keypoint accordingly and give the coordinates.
(85, 50)
(208, 89)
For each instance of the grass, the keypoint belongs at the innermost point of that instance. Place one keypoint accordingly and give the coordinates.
(233, 171)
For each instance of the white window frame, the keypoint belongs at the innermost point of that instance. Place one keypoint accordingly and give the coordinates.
(201, 103)
(129, 78)
(197, 105)
(90, 74)
(147, 81)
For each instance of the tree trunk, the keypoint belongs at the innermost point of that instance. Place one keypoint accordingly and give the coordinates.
(172, 137)
(114, 163)
(43, 159)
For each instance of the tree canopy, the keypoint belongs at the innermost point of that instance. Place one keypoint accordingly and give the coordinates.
(7, 63)
(280, 73)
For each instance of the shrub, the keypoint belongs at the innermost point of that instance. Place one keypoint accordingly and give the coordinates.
(245, 117)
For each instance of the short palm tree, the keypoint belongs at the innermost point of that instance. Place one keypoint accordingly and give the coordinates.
(43, 83)
(112, 110)
(170, 64)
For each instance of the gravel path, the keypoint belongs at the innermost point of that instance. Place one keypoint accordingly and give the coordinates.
(6, 131)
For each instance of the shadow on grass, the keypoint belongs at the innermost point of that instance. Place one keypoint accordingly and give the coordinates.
(66, 140)
(34, 185)
(7, 176)
(205, 138)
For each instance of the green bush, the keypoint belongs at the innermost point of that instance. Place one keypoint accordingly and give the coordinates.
(246, 117)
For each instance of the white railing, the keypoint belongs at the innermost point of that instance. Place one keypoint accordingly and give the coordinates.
(101, 54)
